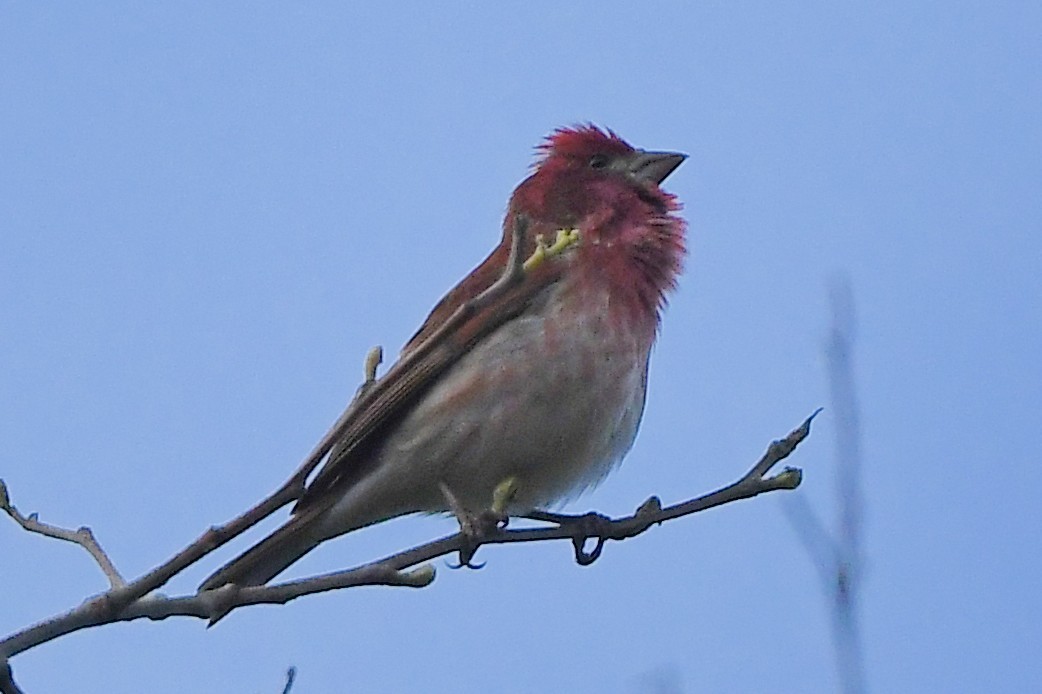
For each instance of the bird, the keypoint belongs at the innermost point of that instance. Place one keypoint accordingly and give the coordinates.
(531, 371)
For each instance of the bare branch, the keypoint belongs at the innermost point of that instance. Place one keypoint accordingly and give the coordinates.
(7, 683)
(82, 537)
(398, 569)
(837, 552)
(849, 557)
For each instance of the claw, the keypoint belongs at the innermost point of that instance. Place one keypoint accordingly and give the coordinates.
(590, 525)
(582, 557)
(466, 564)
(475, 527)
(584, 528)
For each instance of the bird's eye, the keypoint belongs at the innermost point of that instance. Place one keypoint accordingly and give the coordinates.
(598, 161)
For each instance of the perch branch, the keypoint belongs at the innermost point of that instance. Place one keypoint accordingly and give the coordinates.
(397, 569)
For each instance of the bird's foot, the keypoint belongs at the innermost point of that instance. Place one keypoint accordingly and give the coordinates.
(475, 528)
(583, 528)
(597, 526)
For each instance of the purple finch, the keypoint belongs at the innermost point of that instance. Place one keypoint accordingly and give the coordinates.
(538, 381)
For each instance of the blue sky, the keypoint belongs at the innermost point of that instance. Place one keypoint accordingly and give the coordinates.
(208, 213)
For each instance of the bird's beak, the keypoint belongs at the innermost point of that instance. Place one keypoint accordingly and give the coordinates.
(653, 166)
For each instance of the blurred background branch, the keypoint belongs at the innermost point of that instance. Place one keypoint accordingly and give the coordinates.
(837, 553)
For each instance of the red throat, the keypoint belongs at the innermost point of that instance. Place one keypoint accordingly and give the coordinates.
(632, 240)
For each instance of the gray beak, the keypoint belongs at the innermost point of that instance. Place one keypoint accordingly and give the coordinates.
(653, 166)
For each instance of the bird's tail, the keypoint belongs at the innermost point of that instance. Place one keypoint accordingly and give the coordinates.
(268, 558)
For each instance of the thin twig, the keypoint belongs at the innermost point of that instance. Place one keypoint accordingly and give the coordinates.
(291, 675)
(397, 569)
(815, 538)
(82, 537)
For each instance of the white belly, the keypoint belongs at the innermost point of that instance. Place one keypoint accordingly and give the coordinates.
(550, 401)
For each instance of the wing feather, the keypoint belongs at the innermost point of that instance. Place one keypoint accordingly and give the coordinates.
(447, 334)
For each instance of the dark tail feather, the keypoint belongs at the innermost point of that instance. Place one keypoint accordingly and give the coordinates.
(266, 559)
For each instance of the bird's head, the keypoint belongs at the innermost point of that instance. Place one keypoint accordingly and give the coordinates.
(585, 170)
(592, 180)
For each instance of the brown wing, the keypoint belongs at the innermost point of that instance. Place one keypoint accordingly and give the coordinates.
(452, 328)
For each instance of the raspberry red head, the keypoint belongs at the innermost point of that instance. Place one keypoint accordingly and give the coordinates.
(584, 168)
